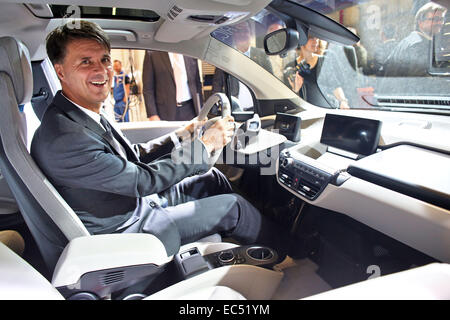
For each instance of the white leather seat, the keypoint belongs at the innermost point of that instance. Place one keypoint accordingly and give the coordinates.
(51, 221)
(20, 281)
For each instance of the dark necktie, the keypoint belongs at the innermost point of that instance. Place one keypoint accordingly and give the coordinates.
(113, 138)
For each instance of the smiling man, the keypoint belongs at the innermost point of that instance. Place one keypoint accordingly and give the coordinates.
(117, 187)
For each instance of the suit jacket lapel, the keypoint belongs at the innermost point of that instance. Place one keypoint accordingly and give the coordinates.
(77, 115)
(166, 60)
(83, 119)
(128, 149)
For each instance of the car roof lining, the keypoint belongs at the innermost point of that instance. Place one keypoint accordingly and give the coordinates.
(19, 21)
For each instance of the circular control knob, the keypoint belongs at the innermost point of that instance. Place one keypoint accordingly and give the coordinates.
(287, 162)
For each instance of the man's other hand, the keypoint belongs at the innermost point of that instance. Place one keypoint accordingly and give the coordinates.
(154, 118)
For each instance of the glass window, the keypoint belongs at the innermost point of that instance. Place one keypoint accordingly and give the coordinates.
(248, 36)
(401, 62)
(239, 94)
(157, 85)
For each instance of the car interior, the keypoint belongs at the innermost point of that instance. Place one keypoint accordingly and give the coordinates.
(364, 192)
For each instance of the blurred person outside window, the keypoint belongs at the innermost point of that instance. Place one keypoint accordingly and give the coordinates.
(411, 57)
(121, 92)
(309, 66)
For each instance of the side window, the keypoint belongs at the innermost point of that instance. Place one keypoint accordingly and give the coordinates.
(125, 103)
(247, 37)
(239, 94)
(155, 85)
(440, 49)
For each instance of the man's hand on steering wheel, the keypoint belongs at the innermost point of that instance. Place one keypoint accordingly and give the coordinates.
(219, 134)
(214, 133)
(191, 129)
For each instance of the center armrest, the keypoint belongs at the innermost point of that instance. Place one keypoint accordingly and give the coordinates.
(111, 260)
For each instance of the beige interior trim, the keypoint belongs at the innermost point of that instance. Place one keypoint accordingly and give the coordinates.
(254, 283)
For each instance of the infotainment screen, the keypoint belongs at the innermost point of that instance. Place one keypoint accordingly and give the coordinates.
(357, 135)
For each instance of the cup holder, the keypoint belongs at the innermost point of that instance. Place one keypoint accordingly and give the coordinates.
(226, 257)
(135, 296)
(260, 253)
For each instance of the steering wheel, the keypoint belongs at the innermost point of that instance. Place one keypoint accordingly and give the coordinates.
(221, 100)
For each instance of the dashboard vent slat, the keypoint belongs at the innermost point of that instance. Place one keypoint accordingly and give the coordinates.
(414, 102)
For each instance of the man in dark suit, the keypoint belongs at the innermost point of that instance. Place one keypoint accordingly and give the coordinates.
(165, 187)
(171, 86)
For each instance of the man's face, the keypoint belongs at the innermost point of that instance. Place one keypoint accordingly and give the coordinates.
(117, 66)
(432, 23)
(242, 38)
(312, 45)
(86, 73)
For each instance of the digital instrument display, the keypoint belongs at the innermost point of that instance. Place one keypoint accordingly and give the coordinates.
(357, 135)
(288, 125)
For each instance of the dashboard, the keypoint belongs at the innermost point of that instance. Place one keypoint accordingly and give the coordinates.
(402, 191)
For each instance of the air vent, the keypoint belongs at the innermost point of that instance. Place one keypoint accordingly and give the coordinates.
(308, 189)
(112, 277)
(174, 12)
(414, 102)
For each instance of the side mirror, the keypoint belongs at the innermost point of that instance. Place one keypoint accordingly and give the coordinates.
(281, 41)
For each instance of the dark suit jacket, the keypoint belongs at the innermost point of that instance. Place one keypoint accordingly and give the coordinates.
(101, 187)
(159, 84)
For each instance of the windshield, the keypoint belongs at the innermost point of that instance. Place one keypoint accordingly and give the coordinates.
(402, 61)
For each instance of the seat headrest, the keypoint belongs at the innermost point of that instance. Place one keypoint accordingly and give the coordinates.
(15, 61)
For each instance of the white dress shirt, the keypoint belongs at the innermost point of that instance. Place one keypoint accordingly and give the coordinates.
(180, 77)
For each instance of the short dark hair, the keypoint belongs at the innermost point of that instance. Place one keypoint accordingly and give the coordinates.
(58, 39)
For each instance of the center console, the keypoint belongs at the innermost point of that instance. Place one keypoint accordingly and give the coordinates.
(103, 266)
(305, 176)
(302, 177)
(191, 262)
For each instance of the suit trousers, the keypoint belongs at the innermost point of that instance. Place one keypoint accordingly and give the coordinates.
(203, 205)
